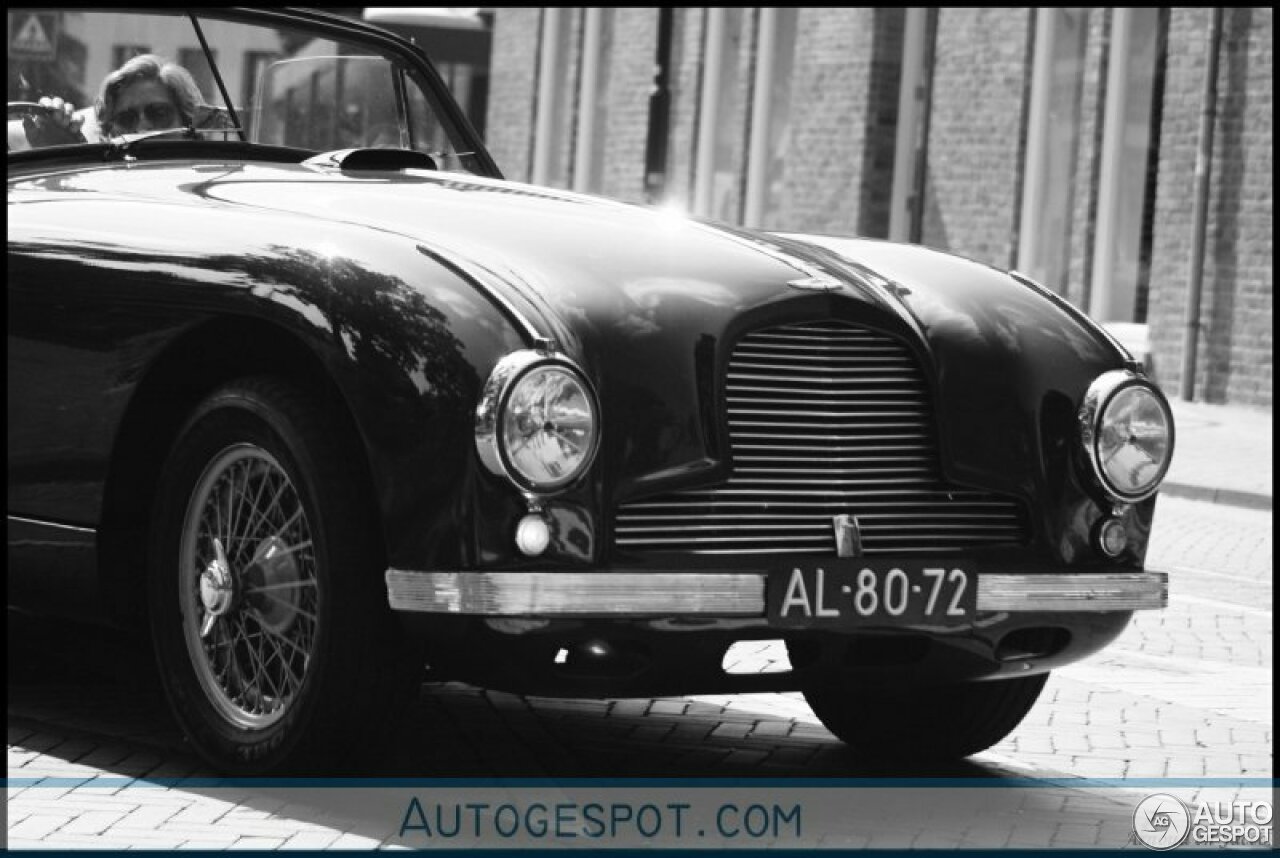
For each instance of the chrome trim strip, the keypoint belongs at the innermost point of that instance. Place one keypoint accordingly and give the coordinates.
(577, 593)
(54, 525)
(1134, 591)
(611, 594)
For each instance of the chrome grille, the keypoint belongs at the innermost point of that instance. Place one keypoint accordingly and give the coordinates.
(824, 418)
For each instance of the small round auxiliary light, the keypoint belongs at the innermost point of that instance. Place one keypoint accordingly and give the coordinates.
(532, 535)
(1111, 537)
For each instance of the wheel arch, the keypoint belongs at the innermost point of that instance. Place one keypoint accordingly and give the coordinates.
(187, 371)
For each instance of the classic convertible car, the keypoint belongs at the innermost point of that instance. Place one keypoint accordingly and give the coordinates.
(322, 401)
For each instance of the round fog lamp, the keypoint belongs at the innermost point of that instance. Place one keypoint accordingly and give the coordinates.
(1112, 537)
(532, 535)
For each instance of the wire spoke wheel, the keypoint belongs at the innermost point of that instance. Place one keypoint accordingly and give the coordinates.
(276, 645)
(249, 591)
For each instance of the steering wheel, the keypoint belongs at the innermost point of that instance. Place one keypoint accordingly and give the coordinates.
(19, 109)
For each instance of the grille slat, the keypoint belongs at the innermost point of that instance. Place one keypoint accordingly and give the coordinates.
(824, 418)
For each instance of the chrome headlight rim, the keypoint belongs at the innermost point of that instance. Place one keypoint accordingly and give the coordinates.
(490, 410)
(1101, 393)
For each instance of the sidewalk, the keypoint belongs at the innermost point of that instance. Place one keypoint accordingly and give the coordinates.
(1221, 453)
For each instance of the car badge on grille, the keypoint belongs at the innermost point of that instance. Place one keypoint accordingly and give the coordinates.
(848, 536)
(815, 284)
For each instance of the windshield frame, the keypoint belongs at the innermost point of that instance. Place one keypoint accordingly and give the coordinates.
(321, 25)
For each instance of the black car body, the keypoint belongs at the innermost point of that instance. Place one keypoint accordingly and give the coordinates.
(544, 442)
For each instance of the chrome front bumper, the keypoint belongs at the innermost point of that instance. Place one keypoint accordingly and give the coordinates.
(727, 594)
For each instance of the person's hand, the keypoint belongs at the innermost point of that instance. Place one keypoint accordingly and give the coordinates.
(56, 125)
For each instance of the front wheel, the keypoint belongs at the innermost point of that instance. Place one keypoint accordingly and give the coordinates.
(273, 636)
(934, 722)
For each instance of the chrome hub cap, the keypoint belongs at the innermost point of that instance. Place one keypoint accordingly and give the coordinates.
(217, 590)
(250, 597)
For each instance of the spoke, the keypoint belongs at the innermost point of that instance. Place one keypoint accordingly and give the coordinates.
(275, 503)
(235, 679)
(282, 638)
(287, 585)
(310, 616)
(261, 673)
(285, 552)
(243, 536)
(228, 524)
(253, 506)
(224, 644)
(297, 513)
(243, 468)
(292, 682)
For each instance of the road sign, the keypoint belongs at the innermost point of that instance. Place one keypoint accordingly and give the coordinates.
(33, 35)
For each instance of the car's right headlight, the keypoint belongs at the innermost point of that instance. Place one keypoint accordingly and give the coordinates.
(1127, 431)
(536, 422)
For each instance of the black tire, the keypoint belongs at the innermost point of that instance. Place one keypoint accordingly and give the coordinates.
(277, 650)
(938, 722)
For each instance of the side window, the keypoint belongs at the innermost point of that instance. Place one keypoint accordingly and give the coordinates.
(431, 132)
(426, 134)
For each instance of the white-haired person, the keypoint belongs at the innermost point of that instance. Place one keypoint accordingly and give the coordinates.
(147, 93)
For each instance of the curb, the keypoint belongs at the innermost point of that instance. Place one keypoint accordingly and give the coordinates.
(1228, 497)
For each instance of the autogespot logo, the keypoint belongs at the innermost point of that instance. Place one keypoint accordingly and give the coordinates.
(1161, 821)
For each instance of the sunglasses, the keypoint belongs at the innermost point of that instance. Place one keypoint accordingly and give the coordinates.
(159, 114)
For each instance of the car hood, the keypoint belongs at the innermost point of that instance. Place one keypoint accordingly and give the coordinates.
(577, 268)
(572, 268)
(645, 299)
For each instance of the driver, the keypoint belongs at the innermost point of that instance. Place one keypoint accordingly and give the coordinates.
(148, 93)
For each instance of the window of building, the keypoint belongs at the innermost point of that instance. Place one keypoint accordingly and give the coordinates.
(121, 54)
(194, 61)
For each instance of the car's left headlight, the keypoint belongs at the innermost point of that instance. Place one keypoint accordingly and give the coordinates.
(536, 422)
(1127, 430)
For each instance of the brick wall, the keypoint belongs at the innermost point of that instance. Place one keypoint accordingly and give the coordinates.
(828, 124)
(631, 60)
(1234, 360)
(512, 88)
(976, 125)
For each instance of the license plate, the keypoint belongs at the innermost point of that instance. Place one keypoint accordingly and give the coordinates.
(856, 591)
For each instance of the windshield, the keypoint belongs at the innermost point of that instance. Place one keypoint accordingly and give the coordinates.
(99, 76)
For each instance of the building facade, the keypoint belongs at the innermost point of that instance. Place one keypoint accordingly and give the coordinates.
(1062, 142)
